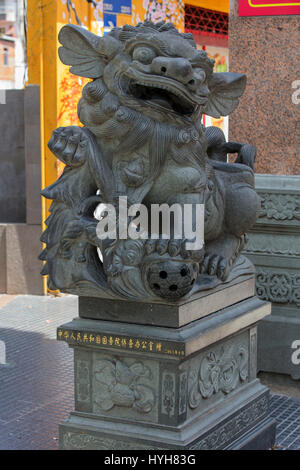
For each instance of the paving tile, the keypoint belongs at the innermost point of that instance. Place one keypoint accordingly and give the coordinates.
(36, 383)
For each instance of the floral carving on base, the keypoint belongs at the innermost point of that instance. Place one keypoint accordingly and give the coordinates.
(117, 384)
(219, 371)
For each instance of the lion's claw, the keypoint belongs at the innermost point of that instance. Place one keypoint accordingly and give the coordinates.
(214, 265)
(69, 144)
(173, 247)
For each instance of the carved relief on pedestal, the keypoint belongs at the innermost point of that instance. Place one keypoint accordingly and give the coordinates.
(236, 425)
(82, 441)
(220, 370)
(117, 384)
(182, 393)
(168, 399)
(82, 380)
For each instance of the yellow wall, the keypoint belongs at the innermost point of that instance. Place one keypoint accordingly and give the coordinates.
(44, 20)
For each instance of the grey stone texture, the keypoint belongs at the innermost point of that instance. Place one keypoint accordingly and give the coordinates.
(150, 387)
(20, 200)
(274, 248)
(167, 314)
(20, 266)
(12, 159)
(32, 125)
(143, 140)
(23, 265)
(3, 259)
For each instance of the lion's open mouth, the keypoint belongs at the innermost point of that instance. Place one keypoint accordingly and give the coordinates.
(162, 96)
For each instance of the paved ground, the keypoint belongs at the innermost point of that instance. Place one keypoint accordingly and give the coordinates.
(36, 384)
(36, 376)
(280, 384)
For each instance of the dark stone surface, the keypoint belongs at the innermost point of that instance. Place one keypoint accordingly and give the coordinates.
(274, 249)
(163, 314)
(189, 338)
(196, 384)
(23, 265)
(261, 437)
(12, 159)
(276, 336)
(20, 200)
(32, 154)
(3, 281)
(247, 428)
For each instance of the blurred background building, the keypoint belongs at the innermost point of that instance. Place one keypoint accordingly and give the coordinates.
(12, 44)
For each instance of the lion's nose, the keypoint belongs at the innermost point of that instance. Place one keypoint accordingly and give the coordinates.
(177, 68)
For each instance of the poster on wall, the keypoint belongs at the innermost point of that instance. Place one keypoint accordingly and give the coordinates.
(122, 7)
(268, 7)
(109, 22)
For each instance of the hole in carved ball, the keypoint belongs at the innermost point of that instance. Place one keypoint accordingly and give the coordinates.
(173, 287)
(163, 274)
(183, 272)
(192, 282)
(163, 69)
(156, 286)
(191, 82)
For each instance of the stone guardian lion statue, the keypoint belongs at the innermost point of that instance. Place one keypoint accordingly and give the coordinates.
(143, 138)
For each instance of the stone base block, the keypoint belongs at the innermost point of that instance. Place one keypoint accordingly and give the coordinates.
(152, 387)
(248, 427)
(278, 345)
(168, 314)
(20, 267)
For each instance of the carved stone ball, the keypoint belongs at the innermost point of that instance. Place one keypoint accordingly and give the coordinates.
(172, 279)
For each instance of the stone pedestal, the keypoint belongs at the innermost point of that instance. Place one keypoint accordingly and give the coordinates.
(145, 386)
(274, 249)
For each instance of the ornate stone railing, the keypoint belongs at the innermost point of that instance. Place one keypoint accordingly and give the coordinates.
(274, 248)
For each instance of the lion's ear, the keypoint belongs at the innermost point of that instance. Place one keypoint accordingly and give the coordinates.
(84, 51)
(225, 90)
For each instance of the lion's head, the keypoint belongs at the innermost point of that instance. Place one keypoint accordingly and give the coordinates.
(151, 69)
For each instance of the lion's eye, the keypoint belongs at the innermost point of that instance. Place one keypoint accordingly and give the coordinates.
(144, 55)
(201, 75)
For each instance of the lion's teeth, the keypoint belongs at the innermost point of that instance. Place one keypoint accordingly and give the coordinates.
(175, 92)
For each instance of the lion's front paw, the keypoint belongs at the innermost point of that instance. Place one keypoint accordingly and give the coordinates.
(173, 248)
(215, 265)
(70, 145)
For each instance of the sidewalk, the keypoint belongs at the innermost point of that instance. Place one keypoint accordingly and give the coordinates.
(36, 384)
(36, 376)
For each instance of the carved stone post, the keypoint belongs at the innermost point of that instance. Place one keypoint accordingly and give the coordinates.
(139, 386)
